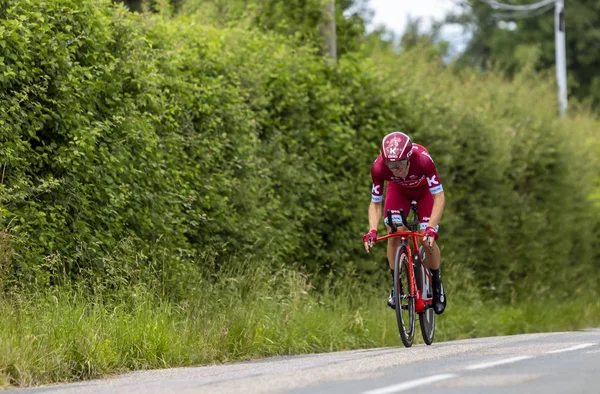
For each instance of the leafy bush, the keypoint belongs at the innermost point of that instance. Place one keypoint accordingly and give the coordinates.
(145, 150)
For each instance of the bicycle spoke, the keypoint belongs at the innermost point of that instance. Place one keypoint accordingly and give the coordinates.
(427, 317)
(405, 303)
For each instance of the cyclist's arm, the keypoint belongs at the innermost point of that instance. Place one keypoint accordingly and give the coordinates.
(439, 200)
(375, 208)
(374, 215)
(436, 189)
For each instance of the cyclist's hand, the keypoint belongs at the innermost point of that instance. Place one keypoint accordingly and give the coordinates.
(430, 236)
(369, 238)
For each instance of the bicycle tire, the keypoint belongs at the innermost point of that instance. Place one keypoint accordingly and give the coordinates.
(426, 318)
(404, 302)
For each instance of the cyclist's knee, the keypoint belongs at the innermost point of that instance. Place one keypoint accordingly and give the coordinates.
(398, 228)
(394, 241)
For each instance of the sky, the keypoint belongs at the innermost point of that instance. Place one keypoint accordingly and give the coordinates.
(394, 14)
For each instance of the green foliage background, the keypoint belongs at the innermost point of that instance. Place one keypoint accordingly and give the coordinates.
(145, 154)
(150, 148)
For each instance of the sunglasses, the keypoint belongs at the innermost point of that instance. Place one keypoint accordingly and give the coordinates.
(394, 165)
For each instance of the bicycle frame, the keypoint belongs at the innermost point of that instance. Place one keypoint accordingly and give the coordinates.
(419, 280)
(421, 304)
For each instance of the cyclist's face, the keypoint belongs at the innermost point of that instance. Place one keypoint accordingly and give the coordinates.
(398, 168)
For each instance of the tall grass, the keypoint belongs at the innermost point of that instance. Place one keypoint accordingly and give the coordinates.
(66, 335)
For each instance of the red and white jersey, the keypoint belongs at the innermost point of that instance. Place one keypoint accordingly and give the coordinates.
(421, 174)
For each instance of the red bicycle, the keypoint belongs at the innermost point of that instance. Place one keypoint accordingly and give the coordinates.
(413, 291)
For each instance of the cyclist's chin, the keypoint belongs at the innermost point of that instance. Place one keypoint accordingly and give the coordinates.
(400, 173)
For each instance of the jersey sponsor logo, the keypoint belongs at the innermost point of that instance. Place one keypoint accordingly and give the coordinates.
(432, 181)
(396, 219)
(409, 183)
(375, 189)
(436, 190)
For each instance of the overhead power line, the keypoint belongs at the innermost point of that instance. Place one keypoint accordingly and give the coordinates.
(530, 10)
(522, 14)
(510, 7)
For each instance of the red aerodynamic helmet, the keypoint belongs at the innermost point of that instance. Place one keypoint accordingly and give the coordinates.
(396, 146)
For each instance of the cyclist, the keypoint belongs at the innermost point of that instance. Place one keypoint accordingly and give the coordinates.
(411, 176)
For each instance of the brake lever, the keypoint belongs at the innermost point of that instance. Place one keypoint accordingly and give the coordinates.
(428, 244)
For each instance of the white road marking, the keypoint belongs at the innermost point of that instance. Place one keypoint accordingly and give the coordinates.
(576, 347)
(410, 384)
(498, 362)
(593, 351)
(436, 378)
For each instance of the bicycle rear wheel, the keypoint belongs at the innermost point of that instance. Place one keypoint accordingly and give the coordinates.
(426, 318)
(405, 304)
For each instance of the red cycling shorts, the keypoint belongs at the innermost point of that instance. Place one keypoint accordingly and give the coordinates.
(397, 197)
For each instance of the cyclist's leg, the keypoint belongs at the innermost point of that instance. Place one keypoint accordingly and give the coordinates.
(394, 200)
(424, 208)
(433, 255)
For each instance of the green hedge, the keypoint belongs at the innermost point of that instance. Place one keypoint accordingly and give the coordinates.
(144, 150)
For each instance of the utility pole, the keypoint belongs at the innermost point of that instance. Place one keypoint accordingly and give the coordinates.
(561, 57)
(328, 32)
(531, 10)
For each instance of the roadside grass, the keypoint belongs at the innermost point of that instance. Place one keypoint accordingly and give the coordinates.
(63, 335)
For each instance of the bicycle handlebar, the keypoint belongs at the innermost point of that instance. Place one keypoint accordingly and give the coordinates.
(394, 228)
(398, 234)
(393, 225)
(391, 222)
(403, 217)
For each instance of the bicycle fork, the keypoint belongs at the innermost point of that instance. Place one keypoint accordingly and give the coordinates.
(420, 304)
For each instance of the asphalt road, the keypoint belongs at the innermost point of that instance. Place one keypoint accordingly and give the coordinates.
(566, 362)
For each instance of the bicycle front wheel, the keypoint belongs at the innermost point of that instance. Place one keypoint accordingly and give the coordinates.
(405, 303)
(426, 318)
